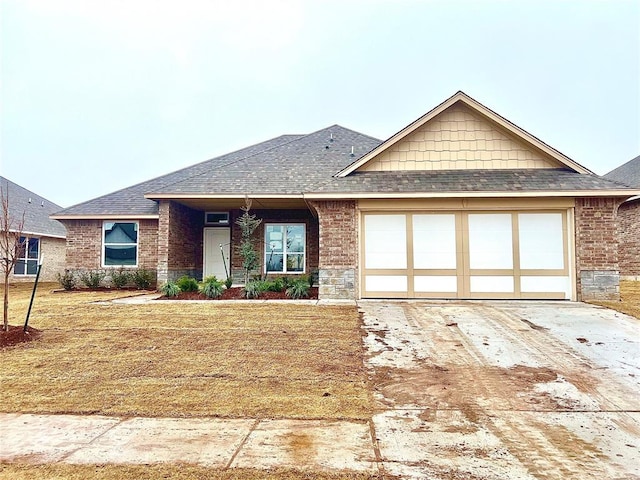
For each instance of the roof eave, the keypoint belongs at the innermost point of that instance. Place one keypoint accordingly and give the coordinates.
(458, 194)
(213, 196)
(37, 234)
(100, 216)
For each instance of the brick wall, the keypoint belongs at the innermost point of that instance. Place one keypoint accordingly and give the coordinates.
(84, 244)
(274, 216)
(338, 249)
(597, 248)
(54, 258)
(179, 245)
(629, 237)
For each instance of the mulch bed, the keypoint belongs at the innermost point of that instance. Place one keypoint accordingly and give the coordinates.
(235, 293)
(16, 335)
(102, 289)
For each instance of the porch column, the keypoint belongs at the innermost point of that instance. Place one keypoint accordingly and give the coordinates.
(338, 256)
(598, 274)
(179, 241)
(163, 242)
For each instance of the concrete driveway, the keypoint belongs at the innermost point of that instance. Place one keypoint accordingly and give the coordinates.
(505, 390)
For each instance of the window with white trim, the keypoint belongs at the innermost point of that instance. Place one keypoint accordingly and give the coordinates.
(28, 254)
(120, 244)
(285, 248)
(216, 218)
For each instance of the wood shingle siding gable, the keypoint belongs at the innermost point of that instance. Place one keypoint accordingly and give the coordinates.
(459, 139)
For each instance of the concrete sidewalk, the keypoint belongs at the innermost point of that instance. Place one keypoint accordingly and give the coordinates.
(154, 297)
(223, 443)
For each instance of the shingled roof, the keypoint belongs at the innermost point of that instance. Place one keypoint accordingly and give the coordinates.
(36, 210)
(297, 165)
(131, 201)
(282, 165)
(449, 182)
(627, 174)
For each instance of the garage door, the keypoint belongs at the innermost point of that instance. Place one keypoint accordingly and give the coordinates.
(466, 255)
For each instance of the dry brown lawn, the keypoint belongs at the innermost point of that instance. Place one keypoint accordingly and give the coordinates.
(175, 472)
(630, 299)
(184, 359)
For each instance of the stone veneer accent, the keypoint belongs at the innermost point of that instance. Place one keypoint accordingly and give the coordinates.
(629, 238)
(598, 276)
(179, 241)
(338, 249)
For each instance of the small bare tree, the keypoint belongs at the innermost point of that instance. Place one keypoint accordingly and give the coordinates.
(247, 250)
(11, 248)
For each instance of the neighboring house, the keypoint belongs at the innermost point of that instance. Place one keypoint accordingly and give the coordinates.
(629, 220)
(460, 203)
(43, 237)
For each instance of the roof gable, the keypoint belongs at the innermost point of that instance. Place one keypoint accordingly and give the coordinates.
(461, 134)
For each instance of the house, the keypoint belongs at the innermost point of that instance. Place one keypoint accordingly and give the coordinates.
(461, 203)
(43, 237)
(629, 220)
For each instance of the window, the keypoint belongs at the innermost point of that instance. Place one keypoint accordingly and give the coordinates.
(27, 263)
(216, 218)
(284, 248)
(120, 244)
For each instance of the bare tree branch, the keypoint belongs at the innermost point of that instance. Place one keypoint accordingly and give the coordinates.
(11, 247)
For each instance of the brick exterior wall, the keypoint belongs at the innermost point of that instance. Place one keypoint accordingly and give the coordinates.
(84, 244)
(338, 259)
(179, 246)
(597, 270)
(274, 216)
(629, 238)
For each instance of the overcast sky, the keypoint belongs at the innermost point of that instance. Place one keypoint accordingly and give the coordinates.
(99, 95)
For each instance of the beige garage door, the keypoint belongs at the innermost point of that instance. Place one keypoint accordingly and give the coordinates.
(465, 255)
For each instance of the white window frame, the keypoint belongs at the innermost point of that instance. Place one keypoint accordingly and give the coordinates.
(267, 249)
(224, 223)
(25, 257)
(104, 245)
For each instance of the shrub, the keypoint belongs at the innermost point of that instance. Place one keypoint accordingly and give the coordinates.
(278, 285)
(187, 284)
(92, 278)
(170, 289)
(212, 287)
(299, 289)
(228, 282)
(142, 278)
(67, 280)
(254, 288)
(120, 277)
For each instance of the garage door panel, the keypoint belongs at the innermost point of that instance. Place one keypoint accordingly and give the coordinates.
(385, 241)
(492, 284)
(541, 241)
(434, 241)
(490, 241)
(435, 283)
(386, 283)
(545, 284)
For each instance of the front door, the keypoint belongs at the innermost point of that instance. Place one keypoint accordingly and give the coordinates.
(216, 252)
